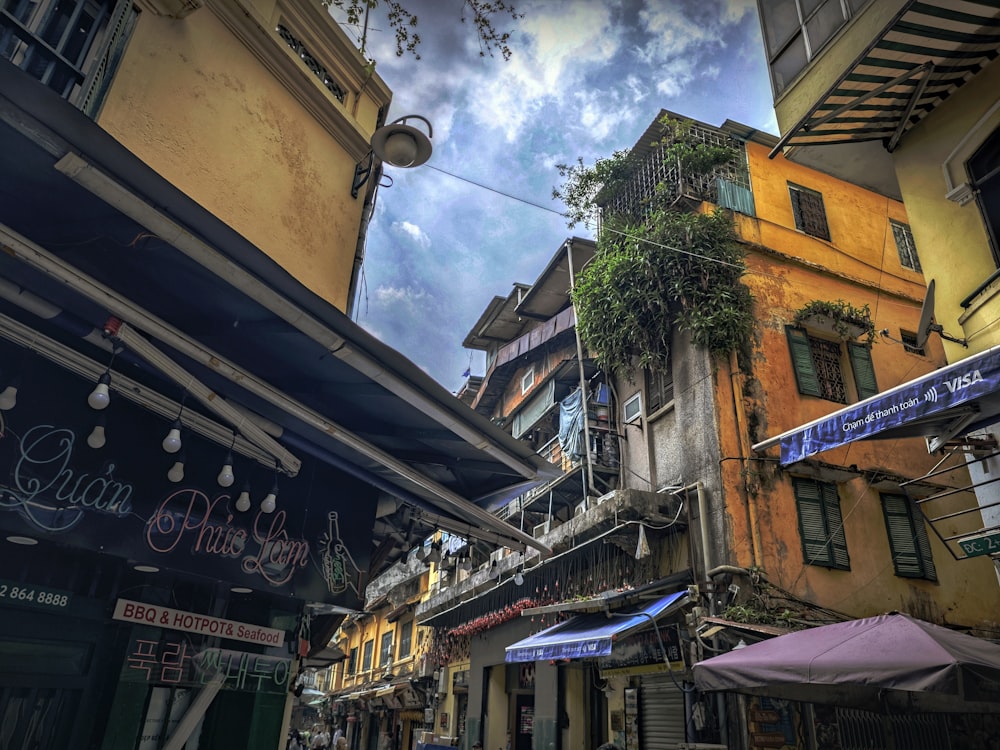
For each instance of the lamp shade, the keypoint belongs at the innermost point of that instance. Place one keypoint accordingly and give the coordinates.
(402, 145)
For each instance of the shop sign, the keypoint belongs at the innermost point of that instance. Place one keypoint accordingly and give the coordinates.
(642, 653)
(175, 619)
(28, 595)
(176, 663)
(116, 498)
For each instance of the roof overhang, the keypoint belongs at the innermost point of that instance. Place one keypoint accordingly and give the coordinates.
(941, 406)
(921, 57)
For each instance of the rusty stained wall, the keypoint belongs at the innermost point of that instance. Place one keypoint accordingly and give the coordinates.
(786, 270)
(193, 102)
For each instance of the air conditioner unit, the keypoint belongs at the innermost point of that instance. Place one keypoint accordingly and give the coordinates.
(541, 529)
(580, 508)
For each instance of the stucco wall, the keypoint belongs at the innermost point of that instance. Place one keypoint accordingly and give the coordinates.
(956, 248)
(192, 101)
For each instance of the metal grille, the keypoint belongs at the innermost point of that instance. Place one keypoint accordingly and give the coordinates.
(810, 215)
(904, 246)
(654, 171)
(864, 730)
(826, 360)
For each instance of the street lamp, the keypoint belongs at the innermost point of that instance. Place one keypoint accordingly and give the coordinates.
(398, 144)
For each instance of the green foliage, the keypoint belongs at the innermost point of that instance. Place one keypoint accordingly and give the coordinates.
(404, 23)
(657, 269)
(843, 315)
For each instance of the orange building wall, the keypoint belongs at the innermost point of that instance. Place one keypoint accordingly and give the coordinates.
(787, 270)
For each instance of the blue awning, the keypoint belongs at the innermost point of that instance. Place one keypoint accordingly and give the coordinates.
(590, 635)
(943, 404)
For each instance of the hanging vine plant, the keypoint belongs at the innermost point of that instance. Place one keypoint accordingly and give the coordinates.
(661, 269)
(840, 317)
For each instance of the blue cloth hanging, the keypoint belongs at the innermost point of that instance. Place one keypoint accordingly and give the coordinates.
(571, 415)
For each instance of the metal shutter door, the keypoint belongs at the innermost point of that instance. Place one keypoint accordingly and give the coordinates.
(661, 714)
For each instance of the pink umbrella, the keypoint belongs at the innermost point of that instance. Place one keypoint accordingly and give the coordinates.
(891, 662)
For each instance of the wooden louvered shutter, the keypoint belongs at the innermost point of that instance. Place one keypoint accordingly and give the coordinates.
(864, 371)
(911, 552)
(835, 527)
(821, 524)
(802, 361)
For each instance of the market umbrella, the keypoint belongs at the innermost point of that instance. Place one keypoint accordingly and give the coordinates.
(891, 662)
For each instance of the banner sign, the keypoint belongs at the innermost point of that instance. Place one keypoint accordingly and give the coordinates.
(644, 649)
(175, 619)
(178, 663)
(924, 397)
(112, 495)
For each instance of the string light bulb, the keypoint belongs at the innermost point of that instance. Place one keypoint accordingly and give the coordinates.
(226, 476)
(8, 397)
(268, 504)
(243, 501)
(172, 442)
(518, 578)
(97, 438)
(176, 472)
(99, 398)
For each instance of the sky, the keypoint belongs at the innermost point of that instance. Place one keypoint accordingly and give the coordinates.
(585, 79)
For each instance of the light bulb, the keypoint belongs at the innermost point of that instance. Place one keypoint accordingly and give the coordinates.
(226, 478)
(96, 439)
(268, 503)
(176, 472)
(401, 149)
(422, 554)
(172, 442)
(494, 570)
(243, 501)
(8, 398)
(518, 578)
(99, 398)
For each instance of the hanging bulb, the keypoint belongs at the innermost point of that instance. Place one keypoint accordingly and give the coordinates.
(176, 472)
(422, 554)
(494, 571)
(96, 439)
(243, 501)
(518, 578)
(8, 398)
(99, 398)
(172, 442)
(226, 478)
(268, 503)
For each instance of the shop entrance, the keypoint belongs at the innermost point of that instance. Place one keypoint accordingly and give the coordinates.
(524, 722)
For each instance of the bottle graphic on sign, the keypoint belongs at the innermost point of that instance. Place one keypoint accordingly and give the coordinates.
(339, 570)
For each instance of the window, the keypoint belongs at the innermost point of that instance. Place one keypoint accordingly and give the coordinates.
(807, 208)
(821, 524)
(910, 343)
(71, 46)
(632, 409)
(527, 380)
(911, 550)
(819, 366)
(366, 659)
(405, 639)
(659, 387)
(904, 246)
(385, 652)
(796, 30)
(984, 169)
(352, 661)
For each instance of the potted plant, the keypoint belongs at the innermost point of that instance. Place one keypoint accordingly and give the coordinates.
(840, 318)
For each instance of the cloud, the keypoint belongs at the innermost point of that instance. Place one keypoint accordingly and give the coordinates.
(412, 231)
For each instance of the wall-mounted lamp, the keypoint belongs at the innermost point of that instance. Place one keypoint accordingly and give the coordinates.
(398, 144)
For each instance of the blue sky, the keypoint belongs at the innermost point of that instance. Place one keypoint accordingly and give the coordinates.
(585, 79)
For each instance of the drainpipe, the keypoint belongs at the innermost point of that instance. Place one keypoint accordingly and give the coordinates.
(740, 418)
(583, 376)
(702, 513)
(359, 251)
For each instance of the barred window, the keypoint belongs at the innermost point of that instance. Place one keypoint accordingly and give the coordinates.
(904, 246)
(810, 215)
(819, 368)
(659, 388)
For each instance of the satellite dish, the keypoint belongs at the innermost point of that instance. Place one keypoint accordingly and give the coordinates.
(926, 316)
(927, 325)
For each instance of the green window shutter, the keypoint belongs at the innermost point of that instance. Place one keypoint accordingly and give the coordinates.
(911, 552)
(864, 371)
(835, 527)
(802, 361)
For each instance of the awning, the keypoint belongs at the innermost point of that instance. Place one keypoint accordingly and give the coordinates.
(590, 635)
(948, 402)
(921, 57)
